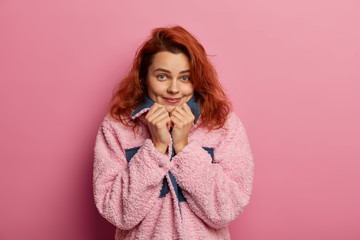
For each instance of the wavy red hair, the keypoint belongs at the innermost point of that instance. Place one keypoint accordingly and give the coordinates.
(131, 91)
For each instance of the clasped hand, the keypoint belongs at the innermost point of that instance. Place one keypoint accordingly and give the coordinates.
(160, 121)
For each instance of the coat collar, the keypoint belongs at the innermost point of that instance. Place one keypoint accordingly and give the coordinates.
(146, 105)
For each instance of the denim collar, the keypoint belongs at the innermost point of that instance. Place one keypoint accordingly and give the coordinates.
(146, 105)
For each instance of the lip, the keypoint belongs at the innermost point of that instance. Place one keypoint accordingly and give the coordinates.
(172, 100)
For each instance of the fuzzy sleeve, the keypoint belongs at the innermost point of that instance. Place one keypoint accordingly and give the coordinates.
(217, 192)
(125, 192)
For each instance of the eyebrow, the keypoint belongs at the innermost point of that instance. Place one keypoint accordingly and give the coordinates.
(167, 71)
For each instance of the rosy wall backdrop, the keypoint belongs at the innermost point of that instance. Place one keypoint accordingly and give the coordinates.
(291, 69)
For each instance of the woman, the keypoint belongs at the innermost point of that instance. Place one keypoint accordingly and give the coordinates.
(171, 159)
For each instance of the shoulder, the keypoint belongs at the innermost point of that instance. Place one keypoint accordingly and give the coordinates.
(233, 125)
(233, 120)
(110, 122)
(114, 126)
(128, 135)
(232, 129)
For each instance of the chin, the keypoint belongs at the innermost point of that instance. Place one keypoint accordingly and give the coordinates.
(169, 109)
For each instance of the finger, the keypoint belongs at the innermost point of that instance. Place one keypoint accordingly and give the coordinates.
(179, 116)
(179, 110)
(155, 112)
(164, 123)
(168, 125)
(153, 108)
(184, 120)
(182, 114)
(186, 108)
(151, 112)
(161, 120)
(176, 122)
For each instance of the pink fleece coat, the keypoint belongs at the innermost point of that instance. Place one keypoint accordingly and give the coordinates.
(214, 173)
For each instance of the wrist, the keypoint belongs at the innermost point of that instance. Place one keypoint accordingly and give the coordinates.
(161, 147)
(178, 147)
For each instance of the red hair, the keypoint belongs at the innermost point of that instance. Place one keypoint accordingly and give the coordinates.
(208, 93)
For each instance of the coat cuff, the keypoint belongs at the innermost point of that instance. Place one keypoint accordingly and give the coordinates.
(190, 165)
(151, 161)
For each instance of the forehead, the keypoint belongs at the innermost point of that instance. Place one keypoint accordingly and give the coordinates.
(170, 61)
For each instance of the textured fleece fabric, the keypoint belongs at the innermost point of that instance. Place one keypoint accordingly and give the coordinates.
(192, 195)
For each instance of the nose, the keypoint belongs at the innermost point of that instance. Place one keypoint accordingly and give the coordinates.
(173, 87)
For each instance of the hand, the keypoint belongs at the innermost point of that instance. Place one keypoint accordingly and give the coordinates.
(159, 125)
(181, 120)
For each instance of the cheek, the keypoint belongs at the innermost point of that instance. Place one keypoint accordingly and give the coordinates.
(189, 90)
(155, 89)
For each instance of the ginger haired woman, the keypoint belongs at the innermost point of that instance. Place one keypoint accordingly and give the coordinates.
(172, 161)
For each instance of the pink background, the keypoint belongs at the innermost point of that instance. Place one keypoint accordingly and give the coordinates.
(291, 69)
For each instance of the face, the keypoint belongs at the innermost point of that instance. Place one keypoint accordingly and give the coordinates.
(168, 80)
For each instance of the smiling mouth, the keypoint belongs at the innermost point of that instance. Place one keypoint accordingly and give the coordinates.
(172, 100)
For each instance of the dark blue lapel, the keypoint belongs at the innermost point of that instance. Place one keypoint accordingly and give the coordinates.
(194, 106)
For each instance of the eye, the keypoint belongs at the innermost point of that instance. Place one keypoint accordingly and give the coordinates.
(161, 77)
(185, 78)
